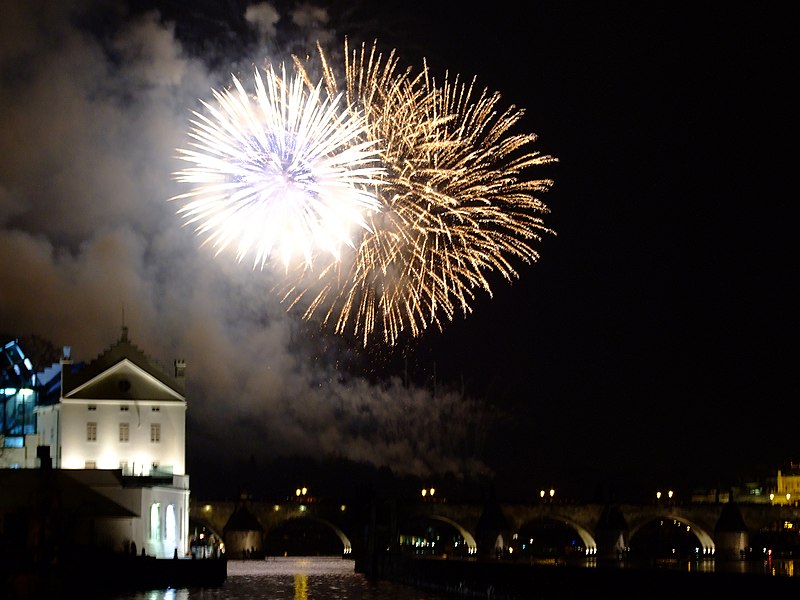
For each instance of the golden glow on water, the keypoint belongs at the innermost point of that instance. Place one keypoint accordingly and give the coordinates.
(301, 587)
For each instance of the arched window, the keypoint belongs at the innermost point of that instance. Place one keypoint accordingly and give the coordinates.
(170, 534)
(155, 521)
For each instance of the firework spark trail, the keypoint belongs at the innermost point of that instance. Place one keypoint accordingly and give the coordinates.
(456, 202)
(285, 169)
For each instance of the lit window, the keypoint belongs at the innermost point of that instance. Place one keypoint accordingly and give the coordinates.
(90, 464)
(91, 432)
(13, 441)
(155, 433)
(124, 432)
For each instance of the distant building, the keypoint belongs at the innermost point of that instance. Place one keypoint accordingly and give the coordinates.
(787, 486)
(751, 492)
(118, 425)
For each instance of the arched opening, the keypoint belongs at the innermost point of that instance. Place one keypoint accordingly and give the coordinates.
(171, 525)
(304, 537)
(204, 542)
(666, 538)
(434, 536)
(545, 538)
(155, 521)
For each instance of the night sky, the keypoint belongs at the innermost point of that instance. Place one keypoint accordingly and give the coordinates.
(653, 344)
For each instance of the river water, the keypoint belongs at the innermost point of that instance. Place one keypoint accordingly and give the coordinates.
(300, 578)
(332, 578)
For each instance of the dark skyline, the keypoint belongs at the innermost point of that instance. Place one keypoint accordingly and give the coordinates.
(652, 344)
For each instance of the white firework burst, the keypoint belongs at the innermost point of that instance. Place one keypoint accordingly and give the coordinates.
(282, 172)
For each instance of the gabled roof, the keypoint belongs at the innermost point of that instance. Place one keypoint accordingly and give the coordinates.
(123, 371)
(124, 381)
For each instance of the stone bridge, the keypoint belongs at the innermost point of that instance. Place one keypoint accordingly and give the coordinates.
(722, 530)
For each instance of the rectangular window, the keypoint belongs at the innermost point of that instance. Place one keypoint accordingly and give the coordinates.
(124, 432)
(155, 433)
(123, 465)
(90, 464)
(91, 431)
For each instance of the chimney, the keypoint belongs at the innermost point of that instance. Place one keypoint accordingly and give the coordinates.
(180, 369)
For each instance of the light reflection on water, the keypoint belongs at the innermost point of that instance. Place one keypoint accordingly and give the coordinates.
(300, 578)
(332, 578)
(774, 567)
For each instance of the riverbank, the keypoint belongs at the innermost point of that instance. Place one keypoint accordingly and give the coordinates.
(502, 580)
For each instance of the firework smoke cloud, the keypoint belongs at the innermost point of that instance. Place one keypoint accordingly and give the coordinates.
(91, 117)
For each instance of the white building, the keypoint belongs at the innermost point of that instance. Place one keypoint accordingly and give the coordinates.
(118, 425)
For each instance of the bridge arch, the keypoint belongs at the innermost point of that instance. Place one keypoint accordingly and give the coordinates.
(587, 538)
(469, 540)
(347, 547)
(705, 539)
(204, 538)
(466, 535)
(281, 520)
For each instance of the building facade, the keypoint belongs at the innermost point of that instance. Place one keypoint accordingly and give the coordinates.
(116, 425)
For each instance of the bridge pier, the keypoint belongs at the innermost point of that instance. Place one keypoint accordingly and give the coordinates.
(612, 533)
(731, 537)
